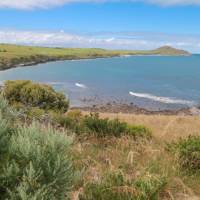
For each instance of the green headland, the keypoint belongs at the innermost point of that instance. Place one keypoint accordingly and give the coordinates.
(16, 55)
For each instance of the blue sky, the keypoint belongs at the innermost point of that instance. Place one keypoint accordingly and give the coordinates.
(136, 24)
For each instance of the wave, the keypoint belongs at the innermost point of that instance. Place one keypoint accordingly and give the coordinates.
(56, 83)
(167, 100)
(80, 85)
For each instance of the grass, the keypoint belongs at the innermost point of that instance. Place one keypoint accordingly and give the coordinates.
(136, 159)
(14, 55)
(187, 151)
(102, 163)
(164, 128)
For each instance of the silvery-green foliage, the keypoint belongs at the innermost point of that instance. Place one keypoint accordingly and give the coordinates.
(5, 133)
(6, 111)
(29, 187)
(38, 165)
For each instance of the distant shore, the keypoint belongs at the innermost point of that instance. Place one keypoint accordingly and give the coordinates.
(12, 56)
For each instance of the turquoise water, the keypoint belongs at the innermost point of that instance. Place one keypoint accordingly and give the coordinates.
(153, 82)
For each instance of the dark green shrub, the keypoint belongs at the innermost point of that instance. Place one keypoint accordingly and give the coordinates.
(139, 131)
(71, 120)
(116, 187)
(104, 127)
(35, 95)
(188, 153)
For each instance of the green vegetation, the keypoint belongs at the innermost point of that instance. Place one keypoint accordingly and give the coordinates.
(167, 50)
(106, 127)
(188, 153)
(31, 94)
(93, 125)
(14, 55)
(35, 163)
(39, 101)
(115, 187)
(86, 157)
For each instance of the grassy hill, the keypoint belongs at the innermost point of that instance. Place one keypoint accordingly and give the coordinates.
(15, 55)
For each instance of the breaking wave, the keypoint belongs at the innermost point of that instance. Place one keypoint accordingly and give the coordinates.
(56, 83)
(80, 85)
(166, 100)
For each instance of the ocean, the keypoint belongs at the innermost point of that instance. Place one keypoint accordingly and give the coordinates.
(152, 82)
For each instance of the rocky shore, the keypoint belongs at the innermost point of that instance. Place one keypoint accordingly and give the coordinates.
(133, 109)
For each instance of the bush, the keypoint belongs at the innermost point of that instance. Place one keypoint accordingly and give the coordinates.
(94, 125)
(188, 153)
(104, 127)
(75, 115)
(115, 187)
(139, 131)
(36, 113)
(35, 95)
(7, 118)
(37, 164)
(5, 134)
(72, 120)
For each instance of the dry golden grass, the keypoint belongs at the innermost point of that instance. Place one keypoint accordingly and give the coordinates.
(97, 156)
(164, 127)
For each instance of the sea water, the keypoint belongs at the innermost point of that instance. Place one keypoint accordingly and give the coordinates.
(153, 82)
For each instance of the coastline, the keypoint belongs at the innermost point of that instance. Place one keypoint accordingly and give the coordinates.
(51, 59)
(20, 56)
(133, 109)
(36, 59)
(54, 59)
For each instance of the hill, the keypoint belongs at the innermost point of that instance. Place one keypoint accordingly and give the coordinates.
(167, 50)
(15, 55)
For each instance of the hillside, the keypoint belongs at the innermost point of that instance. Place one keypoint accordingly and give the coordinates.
(167, 50)
(15, 55)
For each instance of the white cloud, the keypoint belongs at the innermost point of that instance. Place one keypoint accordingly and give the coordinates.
(35, 4)
(123, 40)
(173, 2)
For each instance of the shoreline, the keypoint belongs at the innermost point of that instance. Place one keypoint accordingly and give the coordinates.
(133, 109)
(49, 59)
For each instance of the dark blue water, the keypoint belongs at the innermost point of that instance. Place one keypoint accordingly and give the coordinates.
(153, 82)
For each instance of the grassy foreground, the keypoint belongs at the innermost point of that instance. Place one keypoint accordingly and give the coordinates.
(50, 154)
(14, 55)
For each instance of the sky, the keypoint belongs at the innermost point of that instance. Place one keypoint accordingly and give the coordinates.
(112, 24)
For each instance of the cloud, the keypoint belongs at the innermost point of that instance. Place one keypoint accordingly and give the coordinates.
(109, 40)
(173, 2)
(44, 4)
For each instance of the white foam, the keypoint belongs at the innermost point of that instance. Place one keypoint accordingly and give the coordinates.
(56, 83)
(80, 85)
(167, 100)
